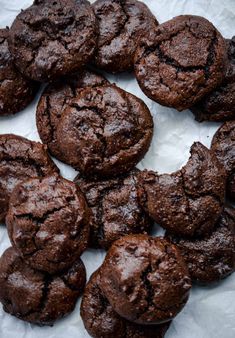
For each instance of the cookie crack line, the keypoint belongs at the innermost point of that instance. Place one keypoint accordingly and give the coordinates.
(115, 186)
(69, 285)
(47, 280)
(192, 197)
(171, 62)
(102, 138)
(41, 219)
(95, 110)
(26, 162)
(121, 29)
(148, 286)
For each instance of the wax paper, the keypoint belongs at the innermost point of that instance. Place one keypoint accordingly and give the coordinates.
(210, 312)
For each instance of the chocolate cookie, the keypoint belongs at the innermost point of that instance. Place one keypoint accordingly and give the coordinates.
(145, 279)
(48, 223)
(55, 98)
(121, 25)
(20, 159)
(16, 92)
(115, 208)
(219, 105)
(212, 258)
(223, 144)
(37, 297)
(181, 61)
(189, 201)
(53, 38)
(105, 131)
(101, 320)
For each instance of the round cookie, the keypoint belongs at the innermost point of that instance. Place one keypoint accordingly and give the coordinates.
(105, 131)
(36, 297)
(181, 61)
(223, 144)
(219, 105)
(145, 279)
(20, 159)
(115, 208)
(212, 258)
(121, 25)
(16, 92)
(55, 98)
(53, 38)
(48, 223)
(101, 320)
(189, 201)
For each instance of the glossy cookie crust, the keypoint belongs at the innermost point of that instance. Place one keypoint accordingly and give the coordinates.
(53, 38)
(122, 23)
(212, 258)
(36, 297)
(223, 144)
(20, 159)
(105, 131)
(115, 208)
(48, 223)
(145, 279)
(16, 92)
(189, 201)
(181, 61)
(219, 105)
(55, 98)
(101, 320)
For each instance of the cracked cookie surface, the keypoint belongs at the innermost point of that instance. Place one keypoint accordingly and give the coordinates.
(20, 159)
(145, 279)
(212, 258)
(54, 100)
(223, 144)
(122, 23)
(181, 61)
(105, 131)
(48, 223)
(101, 320)
(53, 38)
(219, 105)
(36, 297)
(16, 92)
(115, 208)
(189, 201)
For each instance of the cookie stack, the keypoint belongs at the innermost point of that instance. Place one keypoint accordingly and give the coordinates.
(142, 285)
(42, 276)
(102, 131)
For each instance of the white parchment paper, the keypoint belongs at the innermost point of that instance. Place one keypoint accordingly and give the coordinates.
(210, 312)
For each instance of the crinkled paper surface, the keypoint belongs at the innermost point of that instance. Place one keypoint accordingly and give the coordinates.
(210, 312)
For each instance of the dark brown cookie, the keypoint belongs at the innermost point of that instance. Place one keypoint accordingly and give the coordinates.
(121, 25)
(101, 321)
(145, 279)
(219, 105)
(20, 159)
(181, 61)
(223, 144)
(53, 38)
(55, 98)
(105, 131)
(16, 92)
(189, 201)
(48, 223)
(115, 208)
(37, 297)
(212, 258)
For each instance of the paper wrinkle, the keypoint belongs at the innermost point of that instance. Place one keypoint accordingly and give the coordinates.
(210, 311)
